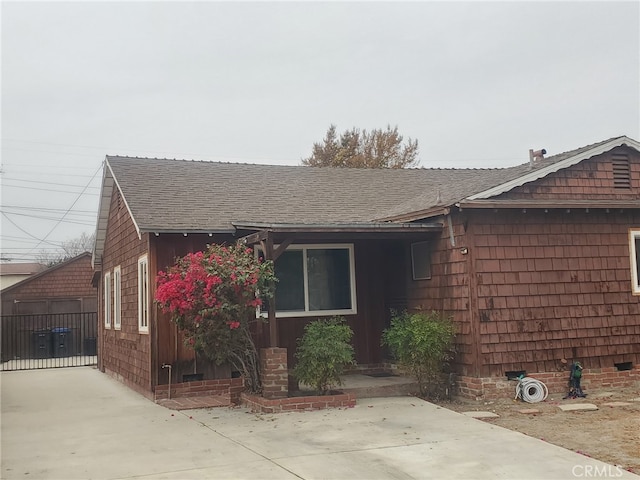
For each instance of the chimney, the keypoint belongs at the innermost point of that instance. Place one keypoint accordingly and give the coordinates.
(535, 156)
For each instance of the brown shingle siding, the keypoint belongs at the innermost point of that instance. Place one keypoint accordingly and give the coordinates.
(577, 300)
(125, 352)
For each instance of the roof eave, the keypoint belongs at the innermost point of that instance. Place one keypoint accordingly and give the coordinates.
(109, 180)
(188, 231)
(338, 227)
(549, 204)
(417, 215)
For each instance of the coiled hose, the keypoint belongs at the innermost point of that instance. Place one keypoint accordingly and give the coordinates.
(531, 390)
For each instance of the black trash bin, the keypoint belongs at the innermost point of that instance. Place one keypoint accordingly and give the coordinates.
(62, 342)
(41, 343)
(90, 346)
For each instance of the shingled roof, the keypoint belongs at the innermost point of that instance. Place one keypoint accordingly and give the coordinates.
(166, 195)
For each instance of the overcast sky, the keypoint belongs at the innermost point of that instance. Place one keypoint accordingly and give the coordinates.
(477, 84)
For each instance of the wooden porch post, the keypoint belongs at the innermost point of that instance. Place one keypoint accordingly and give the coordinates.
(271, 313)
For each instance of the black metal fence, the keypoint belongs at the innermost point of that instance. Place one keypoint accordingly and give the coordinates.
(48, 340)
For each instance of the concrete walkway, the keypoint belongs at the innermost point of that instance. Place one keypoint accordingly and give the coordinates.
(77, 423)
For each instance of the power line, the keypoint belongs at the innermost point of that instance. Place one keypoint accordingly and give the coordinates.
(48, 183)
(68, 210)
(147, 151)
(47, 189)
(48, 174)
(45, 209)
(24, 231)
(55, 166)
(77, 222)
(13, 238)
(85, 155)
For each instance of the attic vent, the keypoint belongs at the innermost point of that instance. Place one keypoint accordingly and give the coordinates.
(621, 170)
(118, 200)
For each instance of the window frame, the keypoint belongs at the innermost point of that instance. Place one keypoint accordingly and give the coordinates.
(413, 260)
(353, 310)
(634, 235)
(107, 297)
(143, 294)
(117, 298)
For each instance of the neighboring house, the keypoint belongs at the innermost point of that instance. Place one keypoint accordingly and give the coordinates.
(63, 288)
(536, 263)
(59, 304)
(11, 273)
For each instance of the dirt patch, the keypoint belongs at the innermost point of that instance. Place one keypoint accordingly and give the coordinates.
(610, 434)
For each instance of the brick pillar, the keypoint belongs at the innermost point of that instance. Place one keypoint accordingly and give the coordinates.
(274, 372)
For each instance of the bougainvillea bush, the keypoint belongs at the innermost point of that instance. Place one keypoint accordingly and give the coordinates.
(212, 296)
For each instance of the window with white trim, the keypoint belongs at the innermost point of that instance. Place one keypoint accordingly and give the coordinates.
(107, 300)
(421, 260)
(143, 295)
(315, 280)
(634, 249)
(117, 298)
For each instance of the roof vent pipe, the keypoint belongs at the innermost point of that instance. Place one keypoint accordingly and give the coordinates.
(537, 155)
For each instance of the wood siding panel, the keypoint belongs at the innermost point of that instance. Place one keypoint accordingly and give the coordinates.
(170, 346)
(555, 285)
(448, 290)
(125, 352)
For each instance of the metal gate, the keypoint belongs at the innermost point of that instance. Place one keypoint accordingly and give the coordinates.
(48, 340)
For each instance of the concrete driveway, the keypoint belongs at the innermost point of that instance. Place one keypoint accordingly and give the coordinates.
(77, 423)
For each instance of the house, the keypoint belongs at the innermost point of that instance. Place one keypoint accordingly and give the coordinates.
(63, 288)
(535, 263)
(57, 303)
(11, 273)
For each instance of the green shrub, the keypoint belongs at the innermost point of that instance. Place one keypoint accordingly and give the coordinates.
(422, 343)
(323, 353)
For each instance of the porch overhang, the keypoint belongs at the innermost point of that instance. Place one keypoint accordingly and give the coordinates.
(356, 231)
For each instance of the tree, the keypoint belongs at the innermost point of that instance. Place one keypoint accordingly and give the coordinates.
(362, 149)
(212, 296)
(68, 249)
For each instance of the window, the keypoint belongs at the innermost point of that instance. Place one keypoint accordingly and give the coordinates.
(143, 295)
(421, 260)
(117, 298)
(107, 300)
(315, 279)
(634, 249)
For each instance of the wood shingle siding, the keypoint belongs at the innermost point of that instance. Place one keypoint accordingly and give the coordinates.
(124, 353)
(552, 286)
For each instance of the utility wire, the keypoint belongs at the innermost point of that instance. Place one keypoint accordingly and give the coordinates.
(47, 189)
(77, 222)
(68, 210)
(48, 183)
(164, 153)
(88, 213)
(24, 231)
